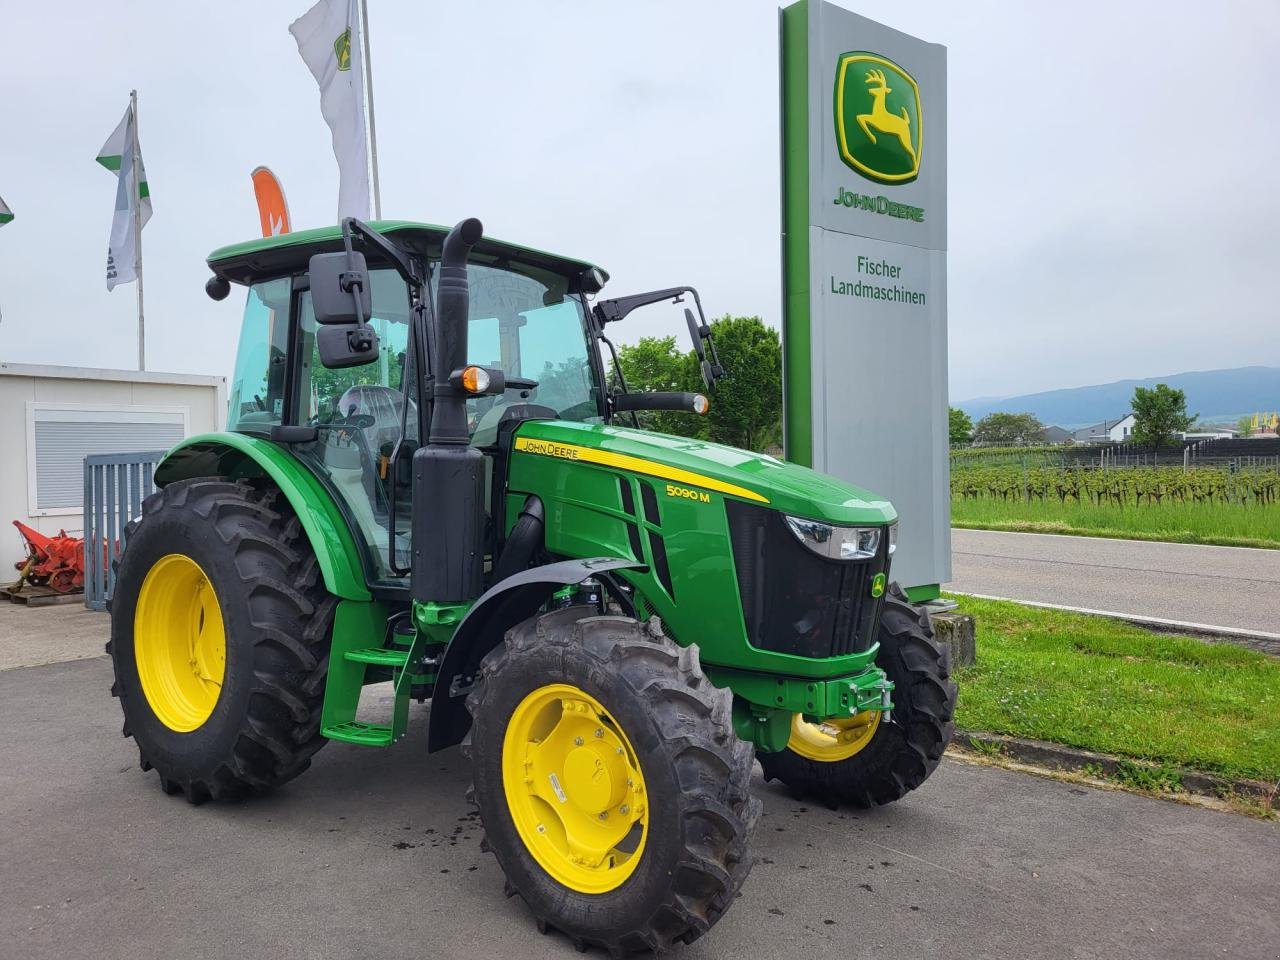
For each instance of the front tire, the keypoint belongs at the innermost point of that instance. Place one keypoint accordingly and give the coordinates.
(612, 788)
(870, 762)
(220, 628)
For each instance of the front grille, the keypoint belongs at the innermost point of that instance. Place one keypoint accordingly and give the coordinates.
(794, 601)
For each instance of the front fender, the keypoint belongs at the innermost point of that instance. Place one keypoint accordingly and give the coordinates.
(239, 456)
(502, 606)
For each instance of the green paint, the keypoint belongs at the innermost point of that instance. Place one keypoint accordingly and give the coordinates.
(868, 689)
(785, 486)
(358, 631)
(431, 233)
(437, 621)
(796, 345)
(923, 593)
(767, 728)
(235, 455)
(586, 518)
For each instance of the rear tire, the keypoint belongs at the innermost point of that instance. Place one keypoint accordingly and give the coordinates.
(677, 729)
(262, 726)
(901, 755)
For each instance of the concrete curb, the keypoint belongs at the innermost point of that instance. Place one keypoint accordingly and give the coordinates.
(1259, 640)
(1058, 756)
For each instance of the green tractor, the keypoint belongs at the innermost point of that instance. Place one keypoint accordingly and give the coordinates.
(427, 479)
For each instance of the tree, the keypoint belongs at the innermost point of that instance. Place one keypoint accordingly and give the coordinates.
(959, 426)
(1159, 415)
(1245, 426)
(1007, 429)
(656, 364)
(746, 406)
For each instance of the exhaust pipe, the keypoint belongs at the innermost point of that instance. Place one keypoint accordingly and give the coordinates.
(449, 411)
(448, 473)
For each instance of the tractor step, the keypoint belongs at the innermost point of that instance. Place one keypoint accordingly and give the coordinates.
(364, 734)
(382, 656)
(412, 655)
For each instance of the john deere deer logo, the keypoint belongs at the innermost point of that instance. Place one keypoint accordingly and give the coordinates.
(878, 118)
(342, 49)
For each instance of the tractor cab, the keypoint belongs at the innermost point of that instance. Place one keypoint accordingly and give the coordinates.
(357, 427)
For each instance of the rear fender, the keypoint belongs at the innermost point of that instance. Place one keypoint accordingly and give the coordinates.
(238, 456)
(502, 606)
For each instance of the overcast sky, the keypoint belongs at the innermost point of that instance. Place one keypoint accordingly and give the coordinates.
(1114, 181)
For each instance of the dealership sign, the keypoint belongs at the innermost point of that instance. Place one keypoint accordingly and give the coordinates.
(865, 268)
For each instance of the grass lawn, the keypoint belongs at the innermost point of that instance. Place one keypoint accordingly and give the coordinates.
(1116, 688)
(1229, 524)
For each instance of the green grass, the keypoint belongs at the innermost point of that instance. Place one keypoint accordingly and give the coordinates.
(1111, 687)
(1232, 525)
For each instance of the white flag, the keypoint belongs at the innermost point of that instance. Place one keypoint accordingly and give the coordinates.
(117, 155)
(328, 37)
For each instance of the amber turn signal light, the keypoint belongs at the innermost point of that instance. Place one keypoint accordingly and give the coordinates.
(475, 380)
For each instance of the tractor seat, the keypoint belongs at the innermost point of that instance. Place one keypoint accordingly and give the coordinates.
(382, 405)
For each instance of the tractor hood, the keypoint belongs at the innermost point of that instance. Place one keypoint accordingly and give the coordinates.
(702, 465)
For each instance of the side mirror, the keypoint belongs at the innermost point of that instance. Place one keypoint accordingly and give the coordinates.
(340, 288)
(346, 345)
(701, 337)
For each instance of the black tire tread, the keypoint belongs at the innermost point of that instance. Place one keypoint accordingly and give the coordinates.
(718, 812)
(280, 732)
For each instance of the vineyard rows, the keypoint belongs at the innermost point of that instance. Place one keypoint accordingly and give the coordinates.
(1134, 487)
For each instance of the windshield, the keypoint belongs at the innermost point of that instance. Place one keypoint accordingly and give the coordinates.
(528, 326)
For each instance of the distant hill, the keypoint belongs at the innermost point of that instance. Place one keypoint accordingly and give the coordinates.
(1213, 394)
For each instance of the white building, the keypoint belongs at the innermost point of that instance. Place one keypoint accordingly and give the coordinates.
(1211, 431)
(1108, 431)
(51, 418)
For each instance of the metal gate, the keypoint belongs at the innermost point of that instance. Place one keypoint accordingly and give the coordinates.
(115, 484)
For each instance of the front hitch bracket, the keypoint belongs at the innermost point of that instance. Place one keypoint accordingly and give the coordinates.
(815, 699)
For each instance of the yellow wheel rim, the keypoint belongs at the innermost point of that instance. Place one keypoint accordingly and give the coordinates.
(832, 740)
(574, 789)
(179, 643)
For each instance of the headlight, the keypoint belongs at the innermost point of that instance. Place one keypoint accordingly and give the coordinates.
(893, 537)
(838, 543)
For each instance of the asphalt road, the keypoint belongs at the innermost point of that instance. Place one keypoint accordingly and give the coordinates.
(1219, 586)
(374, 854)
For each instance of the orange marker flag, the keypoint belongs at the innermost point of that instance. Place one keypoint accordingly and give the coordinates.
(273, 209)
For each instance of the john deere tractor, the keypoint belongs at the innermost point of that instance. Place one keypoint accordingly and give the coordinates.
(433, 476)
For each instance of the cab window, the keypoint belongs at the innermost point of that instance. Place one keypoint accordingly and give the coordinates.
(256, 401)
(527, 325)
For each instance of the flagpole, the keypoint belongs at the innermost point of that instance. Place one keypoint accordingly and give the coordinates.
(137, 226)
(384, 361)
(368, 91)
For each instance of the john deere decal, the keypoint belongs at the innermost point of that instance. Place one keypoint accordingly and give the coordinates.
(878, 118)
(342, 49)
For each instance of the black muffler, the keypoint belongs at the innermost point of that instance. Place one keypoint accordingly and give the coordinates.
(448, 473)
